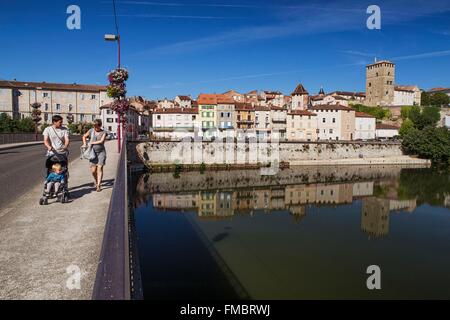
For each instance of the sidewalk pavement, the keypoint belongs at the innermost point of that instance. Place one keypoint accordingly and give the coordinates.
(42, 247)
(19, 145)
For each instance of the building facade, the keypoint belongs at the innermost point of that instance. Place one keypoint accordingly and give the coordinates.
(380, 79)
(364, 126)
(174, 123)
(335, 122)
(301, 125)
(81, 101)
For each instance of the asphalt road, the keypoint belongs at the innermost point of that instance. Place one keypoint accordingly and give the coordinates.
(24, 167)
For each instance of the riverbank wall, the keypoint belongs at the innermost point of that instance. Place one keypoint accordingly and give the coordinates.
(158, 155)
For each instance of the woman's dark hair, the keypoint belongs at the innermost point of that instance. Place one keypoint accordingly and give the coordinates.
(56, 118)
(98, 122)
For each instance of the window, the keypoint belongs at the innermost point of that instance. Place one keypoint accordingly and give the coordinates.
(370, 84)
(93, 117)
(58, 106)
(93, 97)
(45, 94)
(108, 111)
(46, 106)
(109, 120)
(81, 117)
(158, 117)
(334, 120)
(323, 120)
(194, 117)
(45, 116)
(82, 96)
(109, 128)
(331, 131)
(70, 107)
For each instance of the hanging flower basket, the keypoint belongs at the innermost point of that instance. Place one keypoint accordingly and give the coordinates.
(118, 75)
(116, 90)
(120, 106)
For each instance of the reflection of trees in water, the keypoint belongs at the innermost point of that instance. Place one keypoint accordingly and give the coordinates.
(428, 186)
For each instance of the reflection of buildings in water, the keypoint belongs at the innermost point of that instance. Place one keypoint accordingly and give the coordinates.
(224, 204)
(408, 205)
(375, 214)
(298, 212)
(363, 189)
(207, 204)
(447, 201)
(375, 217)
(319, 193)
(166, 201)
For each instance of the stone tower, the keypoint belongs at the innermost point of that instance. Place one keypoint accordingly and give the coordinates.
(380, 79)
(300, 98)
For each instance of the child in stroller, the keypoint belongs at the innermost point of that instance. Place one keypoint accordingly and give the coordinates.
(56, 182)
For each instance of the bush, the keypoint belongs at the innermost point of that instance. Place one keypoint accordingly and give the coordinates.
(406, 127)
(429, 143)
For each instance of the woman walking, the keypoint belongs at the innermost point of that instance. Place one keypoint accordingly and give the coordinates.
(97, 138)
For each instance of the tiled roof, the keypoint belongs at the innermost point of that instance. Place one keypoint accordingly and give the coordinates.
(185, 98)
(52, 86)
(299, 90)
(244, 107)
(207, 98)
(363, 115)
(405, 88)
(261, 108)
(331, 107)
(176, 110)
(301, 113)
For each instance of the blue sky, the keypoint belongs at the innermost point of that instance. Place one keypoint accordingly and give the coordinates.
(187, 47)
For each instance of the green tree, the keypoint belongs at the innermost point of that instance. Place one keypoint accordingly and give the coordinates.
(428, 116)
(439, 99)
(6, 123)
(405, 112)
(425, 99)
(26, 125)
(406, 127)
(430, 143)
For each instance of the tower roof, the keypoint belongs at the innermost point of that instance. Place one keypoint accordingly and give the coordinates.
(299, 90)
(321, 90)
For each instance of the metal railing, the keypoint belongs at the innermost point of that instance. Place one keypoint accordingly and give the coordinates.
(112, 281)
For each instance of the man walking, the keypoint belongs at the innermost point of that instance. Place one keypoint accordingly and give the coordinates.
(56, 137)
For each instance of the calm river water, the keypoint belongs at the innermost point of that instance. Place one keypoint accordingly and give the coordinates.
(304, 233)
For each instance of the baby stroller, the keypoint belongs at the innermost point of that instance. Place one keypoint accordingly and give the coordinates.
(62, 194)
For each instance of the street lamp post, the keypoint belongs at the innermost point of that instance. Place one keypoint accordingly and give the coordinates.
(113, 37)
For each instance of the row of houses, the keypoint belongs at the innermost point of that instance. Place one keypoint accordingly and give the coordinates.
(219, 116)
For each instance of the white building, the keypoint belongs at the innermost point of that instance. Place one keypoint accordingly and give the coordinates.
(406, 96)
(335, 122)
(175, 123)
(385, 131)
(262, 122)
(364, 126)
(447, 121)
(134, 121)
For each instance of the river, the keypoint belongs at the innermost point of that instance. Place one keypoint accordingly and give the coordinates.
(304, 233)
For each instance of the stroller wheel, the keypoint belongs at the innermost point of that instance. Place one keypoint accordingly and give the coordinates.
(41, 201)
